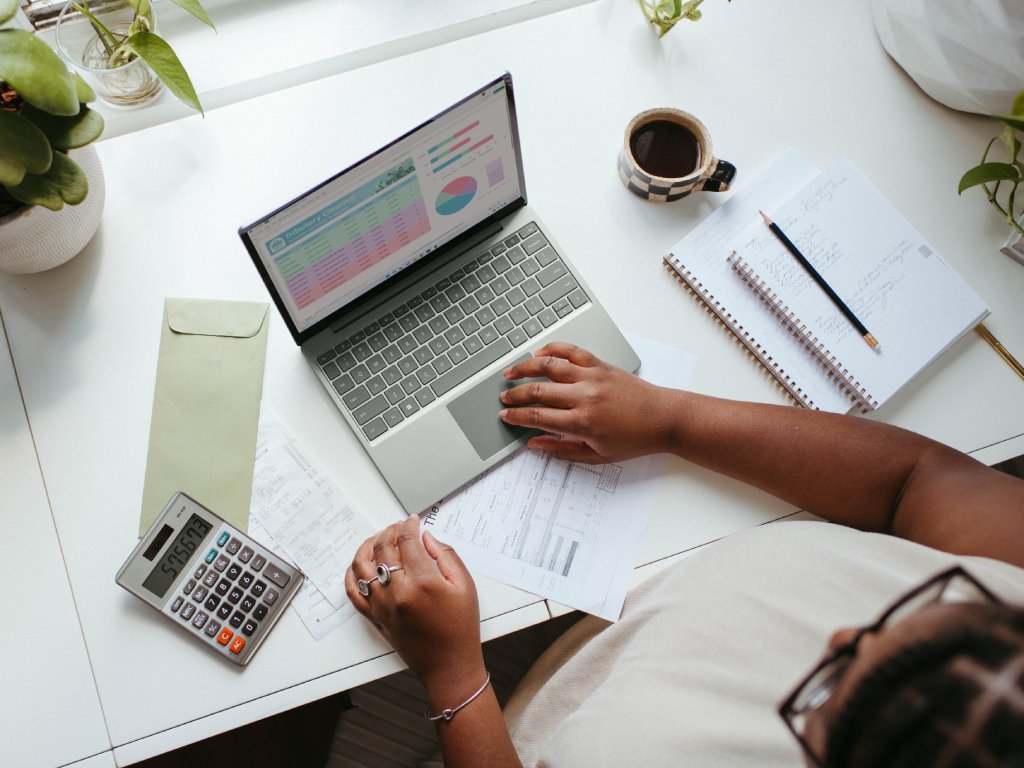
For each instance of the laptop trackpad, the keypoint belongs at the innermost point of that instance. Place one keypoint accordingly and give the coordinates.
(476, 413)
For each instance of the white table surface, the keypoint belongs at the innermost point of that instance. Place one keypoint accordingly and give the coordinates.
(49, 709)
(85, 336)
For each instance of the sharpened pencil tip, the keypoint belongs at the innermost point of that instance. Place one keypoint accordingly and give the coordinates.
(765, 217)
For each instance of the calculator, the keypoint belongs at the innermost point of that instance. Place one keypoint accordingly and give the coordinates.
(209, 578)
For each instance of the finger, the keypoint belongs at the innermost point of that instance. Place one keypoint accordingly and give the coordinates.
(411, 552)
(555, 420)
(448, 561)
(363, 558)
(542, 392)
(545, 367)
(576, 355)
(567, 449)
(384, 549)
(361, 603)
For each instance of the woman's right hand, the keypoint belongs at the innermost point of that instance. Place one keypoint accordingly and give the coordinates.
(593, 411)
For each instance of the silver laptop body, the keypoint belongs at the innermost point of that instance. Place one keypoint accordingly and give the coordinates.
(413, 278)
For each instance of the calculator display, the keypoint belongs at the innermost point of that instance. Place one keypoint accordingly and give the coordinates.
(177, 556)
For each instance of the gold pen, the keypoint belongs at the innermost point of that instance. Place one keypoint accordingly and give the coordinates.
(993, 342)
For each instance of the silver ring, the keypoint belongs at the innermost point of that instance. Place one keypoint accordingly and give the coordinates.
(384, 573)
(363, 585)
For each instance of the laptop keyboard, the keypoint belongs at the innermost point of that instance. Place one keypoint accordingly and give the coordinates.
(466, 320)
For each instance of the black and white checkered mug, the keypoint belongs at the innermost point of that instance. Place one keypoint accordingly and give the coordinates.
(709, 174)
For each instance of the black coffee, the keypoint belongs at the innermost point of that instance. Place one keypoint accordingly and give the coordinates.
(664, 148)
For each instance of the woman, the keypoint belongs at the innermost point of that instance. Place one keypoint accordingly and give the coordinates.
(704, 651)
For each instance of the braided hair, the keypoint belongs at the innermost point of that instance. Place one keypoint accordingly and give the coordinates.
(955, 700)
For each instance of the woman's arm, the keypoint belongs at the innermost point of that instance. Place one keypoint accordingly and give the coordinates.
(849, 470)
(429, 614)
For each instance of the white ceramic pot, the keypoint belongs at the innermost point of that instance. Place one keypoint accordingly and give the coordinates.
(34, 239)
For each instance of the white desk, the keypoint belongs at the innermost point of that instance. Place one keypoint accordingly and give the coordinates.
(49, 708)
(85, 336)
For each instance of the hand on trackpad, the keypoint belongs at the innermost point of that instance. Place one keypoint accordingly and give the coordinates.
(476, 413)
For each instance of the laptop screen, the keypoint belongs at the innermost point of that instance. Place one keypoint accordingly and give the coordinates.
(340, 240)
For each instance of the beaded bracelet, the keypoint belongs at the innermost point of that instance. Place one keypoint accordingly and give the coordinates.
(448, 714)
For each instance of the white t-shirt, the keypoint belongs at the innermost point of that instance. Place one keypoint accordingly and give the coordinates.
(693, 672)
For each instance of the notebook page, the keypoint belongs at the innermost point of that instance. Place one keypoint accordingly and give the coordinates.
(734, 225)
(893, 280)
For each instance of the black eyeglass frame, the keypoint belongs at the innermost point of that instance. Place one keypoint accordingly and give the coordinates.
(849, 649)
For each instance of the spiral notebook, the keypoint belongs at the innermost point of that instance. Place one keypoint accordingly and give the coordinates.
(914, 303)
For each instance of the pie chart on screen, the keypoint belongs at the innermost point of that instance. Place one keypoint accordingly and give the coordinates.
(455, 196)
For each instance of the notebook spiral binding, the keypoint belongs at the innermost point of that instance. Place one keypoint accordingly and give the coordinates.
(755, 350)
(835, 369)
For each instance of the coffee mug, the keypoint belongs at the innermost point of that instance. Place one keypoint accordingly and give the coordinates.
(667, 155)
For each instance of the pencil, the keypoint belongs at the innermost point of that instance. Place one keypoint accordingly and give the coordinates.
(871, 340)
(1002, 351)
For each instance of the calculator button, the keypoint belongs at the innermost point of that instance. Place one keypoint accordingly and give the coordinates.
(260, 613)
(271, 596)
(246, 554)
(258, 587)
(212, 602)
(222, 562)
(223, 587)
(223, 539)
(210, 579)
(233, 546)
(187, 611)
(177, 603)
(249, 627)
(224, 611)
(248, 603)
(236, 619)
(258, 562)
(212, 628)
(211, 556)
(276, 575)
(189, 586)
(200, 620)
(225, 636)
(200, 594)
(234, 571)
(200, 571)
(235, 595)
(247, 578)
(237, 645)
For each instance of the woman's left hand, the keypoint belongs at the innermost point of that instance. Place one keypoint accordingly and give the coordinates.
(428, 611)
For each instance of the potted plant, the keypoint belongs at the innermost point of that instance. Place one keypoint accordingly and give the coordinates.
(44, 116)
(115, 46)
(1005, 177)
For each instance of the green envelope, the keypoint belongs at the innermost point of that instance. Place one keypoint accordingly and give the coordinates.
(206, 407)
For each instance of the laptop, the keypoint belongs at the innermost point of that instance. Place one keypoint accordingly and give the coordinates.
(411, 279)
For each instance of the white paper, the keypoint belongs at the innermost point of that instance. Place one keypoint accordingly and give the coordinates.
(303, 515)
(567, 532)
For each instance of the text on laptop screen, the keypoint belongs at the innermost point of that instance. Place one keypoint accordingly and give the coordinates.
(343, 238)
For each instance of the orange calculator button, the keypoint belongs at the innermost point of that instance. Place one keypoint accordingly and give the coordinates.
(238, 644)
(225, 636)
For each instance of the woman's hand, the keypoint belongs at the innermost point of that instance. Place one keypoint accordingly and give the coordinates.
(428, 611)
(594, 412)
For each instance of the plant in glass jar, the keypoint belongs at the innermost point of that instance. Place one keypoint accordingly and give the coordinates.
(115, 44)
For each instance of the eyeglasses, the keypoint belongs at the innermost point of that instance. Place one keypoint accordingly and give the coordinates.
(952, 586)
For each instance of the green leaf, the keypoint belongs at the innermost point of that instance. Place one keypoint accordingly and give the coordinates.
(83, 89)
(193, 7)
(164, 62)
(1018, 105)
(36, 72)
(1010, 141)
(7, 9)
(67, 132)
(65, 182)
(1015, 121)
(986, 172)
(24, 148)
